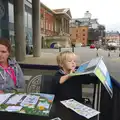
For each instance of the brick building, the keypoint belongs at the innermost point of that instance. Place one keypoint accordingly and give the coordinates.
(79, 35)
(47, 21)
(86, 30)
(55, 26)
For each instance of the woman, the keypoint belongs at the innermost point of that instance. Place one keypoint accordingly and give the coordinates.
(11, 75)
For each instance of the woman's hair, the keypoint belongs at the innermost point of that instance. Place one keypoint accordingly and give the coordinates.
(64, 56)
(6, 42)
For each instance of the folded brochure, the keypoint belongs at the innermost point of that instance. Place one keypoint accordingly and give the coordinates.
(80, 109)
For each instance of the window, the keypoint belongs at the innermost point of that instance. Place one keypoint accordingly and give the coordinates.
(11, 12)
(83, 30)
(83, 39)
(76, 35)
(46, 24)
(83, 34)
(12, 40)
(42, 24)
(55, 26)
(29, 20)
(49, 26)
(42, 16)
(29, 37)
(26, 19)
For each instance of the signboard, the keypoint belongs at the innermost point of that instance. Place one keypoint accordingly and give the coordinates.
(96, 66)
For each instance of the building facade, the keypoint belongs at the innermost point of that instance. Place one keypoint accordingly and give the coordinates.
(93, 30)
(16, 22)
(47, 21)
(113, 36)
(79, 35)
(55, 27)
(7, 22)
(51, 23)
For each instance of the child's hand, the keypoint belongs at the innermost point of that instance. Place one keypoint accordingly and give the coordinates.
(72, 71)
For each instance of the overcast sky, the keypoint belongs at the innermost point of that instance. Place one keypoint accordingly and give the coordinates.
(106, 11)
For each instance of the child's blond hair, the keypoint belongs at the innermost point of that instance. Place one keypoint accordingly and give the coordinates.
(64, 56)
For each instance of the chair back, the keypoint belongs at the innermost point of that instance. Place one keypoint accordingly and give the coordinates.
(46, 84)
(34, 84)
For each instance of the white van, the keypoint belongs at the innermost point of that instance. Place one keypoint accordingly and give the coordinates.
(112, 45)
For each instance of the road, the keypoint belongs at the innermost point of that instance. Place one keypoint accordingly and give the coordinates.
(85, 54)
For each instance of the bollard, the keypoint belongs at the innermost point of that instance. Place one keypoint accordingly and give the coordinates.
(59, 49)
(72, 49)
(108, 54)
(97, 54)
(119, 51)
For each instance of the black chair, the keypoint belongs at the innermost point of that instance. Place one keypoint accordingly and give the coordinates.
(34, 84)
(46, 84)
(40, 83)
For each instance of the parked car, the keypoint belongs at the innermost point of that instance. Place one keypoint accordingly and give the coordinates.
(56, 46)
(92, 46)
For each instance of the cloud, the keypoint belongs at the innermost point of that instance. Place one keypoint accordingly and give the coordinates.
(106, 11)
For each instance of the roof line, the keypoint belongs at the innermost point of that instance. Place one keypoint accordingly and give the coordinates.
(48, 8)
(64, 12)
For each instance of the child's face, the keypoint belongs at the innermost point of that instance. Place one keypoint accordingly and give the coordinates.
(70, 63)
